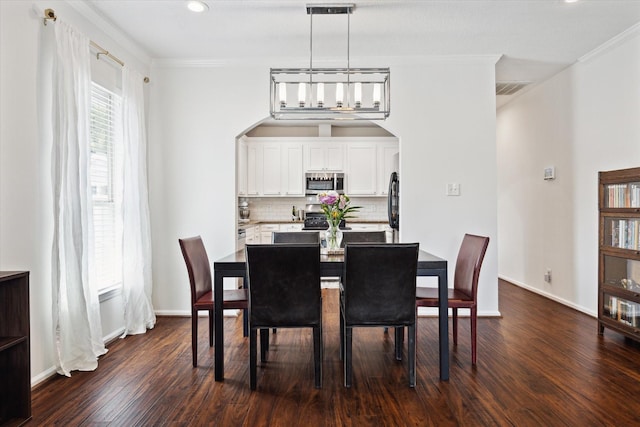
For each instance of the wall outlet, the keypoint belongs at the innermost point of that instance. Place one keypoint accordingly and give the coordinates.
(453, 189)
(547, 276)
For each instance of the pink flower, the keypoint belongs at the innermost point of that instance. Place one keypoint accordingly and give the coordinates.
(328, 198)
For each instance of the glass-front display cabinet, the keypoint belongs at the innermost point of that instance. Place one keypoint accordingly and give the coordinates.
(619, 252)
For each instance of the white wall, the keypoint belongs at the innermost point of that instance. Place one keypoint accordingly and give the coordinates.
(443, 111)
(25, 156)
(584, 120)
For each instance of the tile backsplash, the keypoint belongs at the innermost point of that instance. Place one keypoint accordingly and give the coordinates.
(279, 209)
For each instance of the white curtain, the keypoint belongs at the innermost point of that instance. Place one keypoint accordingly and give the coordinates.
(76, 311)
(136, 256)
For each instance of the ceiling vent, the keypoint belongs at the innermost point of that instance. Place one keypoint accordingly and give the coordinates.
(509, 88)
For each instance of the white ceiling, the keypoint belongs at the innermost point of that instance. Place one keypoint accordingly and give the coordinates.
(535, 38)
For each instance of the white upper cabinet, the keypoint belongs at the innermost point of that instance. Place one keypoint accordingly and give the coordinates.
(241, 164)
(324, 156)
(387, 158)
(361, 169)
(292, 179)
(273, 169)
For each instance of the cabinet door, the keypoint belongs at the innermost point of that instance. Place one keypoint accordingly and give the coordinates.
(386, 164)
(324, 156)
(242, 159)
(254, 170)
(272, 170)
(361, 169)
(293, 173)
(334, 157)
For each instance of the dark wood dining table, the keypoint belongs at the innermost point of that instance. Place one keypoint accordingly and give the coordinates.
(234, 265)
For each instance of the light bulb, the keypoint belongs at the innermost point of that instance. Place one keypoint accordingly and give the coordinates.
(282, 89)
(358, 94)
(339, 94)
(376, 95)
(302, 94)
(320, 92)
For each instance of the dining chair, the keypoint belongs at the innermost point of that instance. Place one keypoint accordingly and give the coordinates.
(379, 289)
(199, 269)
(363, 236)
(312, 237)
(465, 286)
(284, 292)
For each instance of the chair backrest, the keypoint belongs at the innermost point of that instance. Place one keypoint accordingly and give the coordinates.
(470, 257)
(379, 281)
(284, 285)
(312, 237)
(363, 236)
(195, 256)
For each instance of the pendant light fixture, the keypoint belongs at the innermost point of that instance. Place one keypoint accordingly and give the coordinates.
(330, 93)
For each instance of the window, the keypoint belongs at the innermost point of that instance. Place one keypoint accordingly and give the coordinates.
(104, 170)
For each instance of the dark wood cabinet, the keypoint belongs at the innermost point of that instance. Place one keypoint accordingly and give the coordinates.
(619, 252)
(15, 360)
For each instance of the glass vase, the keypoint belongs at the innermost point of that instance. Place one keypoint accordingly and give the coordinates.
(333, 237)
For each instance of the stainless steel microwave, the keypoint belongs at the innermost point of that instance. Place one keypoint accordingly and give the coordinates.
(320, 182)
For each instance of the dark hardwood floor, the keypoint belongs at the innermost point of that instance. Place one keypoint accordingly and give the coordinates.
(541, 364)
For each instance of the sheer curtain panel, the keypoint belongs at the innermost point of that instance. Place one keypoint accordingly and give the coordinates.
(76, 311)
(136, 245)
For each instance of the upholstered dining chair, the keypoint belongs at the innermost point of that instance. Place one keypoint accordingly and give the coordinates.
(284, 292)
(199, 269)
(312, 237)
(379, 289)
(465, 286)
(363, 236)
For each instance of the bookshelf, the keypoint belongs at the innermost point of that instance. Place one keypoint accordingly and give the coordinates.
(619, 252)
(15, 362)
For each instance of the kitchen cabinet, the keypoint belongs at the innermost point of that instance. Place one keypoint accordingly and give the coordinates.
(266, 232)
(362, 169)
(252, 236)
(241, 164)
(387, 163)
(274, 169)
(291, 227)
(292, 179)
(324, 156)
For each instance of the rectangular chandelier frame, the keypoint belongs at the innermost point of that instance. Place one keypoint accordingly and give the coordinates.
(330, 93)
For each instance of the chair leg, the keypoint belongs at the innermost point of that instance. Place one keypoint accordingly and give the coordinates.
(264, 344)
(194, 336)
(211, 328)
(474, 324)
(454, 315)
(317, 355)
(341, 337)
(399, 339)
(245, 322)
(348, 338)
(253, 356)
(412, 355)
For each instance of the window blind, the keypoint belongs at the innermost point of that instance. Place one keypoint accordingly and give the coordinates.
(106, 196)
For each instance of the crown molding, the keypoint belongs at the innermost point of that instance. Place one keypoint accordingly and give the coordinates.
(612, 43)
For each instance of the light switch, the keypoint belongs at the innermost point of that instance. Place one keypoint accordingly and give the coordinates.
(453, 189)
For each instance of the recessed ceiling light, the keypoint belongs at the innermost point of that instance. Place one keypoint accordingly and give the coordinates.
(197, 6)
(570, 1)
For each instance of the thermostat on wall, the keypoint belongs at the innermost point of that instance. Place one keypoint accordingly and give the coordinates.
(550, 173)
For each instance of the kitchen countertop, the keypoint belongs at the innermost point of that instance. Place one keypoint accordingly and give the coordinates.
(354, 221)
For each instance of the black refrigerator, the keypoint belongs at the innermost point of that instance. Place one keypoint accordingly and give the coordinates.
(393, 204)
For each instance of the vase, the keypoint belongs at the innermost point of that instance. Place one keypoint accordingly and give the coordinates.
(333, 237)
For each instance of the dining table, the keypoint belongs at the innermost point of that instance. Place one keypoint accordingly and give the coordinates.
(331, 265)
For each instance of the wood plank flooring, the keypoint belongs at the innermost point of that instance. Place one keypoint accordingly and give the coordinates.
(541, 364)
